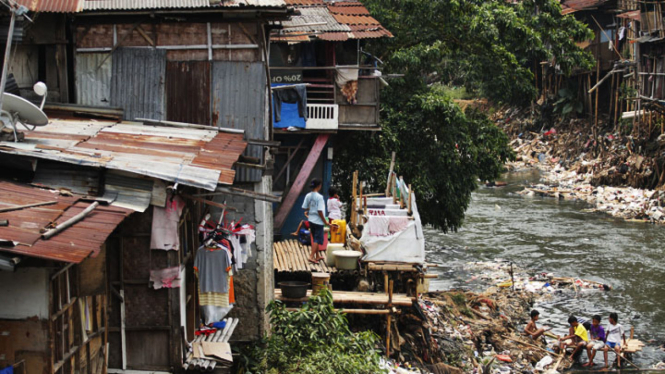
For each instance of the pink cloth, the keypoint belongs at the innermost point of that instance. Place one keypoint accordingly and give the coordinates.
(165, 225)
(397, 224)
(166, 278)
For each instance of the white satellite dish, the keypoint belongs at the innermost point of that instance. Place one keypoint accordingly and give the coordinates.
(26, 112)
(17, 110)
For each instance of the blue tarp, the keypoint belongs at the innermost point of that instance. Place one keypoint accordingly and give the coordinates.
(290, 117)
(7, 370)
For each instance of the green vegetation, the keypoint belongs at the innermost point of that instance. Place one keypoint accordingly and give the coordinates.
(313, 340)
(489, 47)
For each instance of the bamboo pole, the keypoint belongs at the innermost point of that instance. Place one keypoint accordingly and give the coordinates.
(595, 122)
(19, 207)
(390, 172)
(70, 222)
(410, 202)
(389, 317)
(354, 202)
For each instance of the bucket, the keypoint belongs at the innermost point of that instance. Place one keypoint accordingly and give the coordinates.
(338, 231)
(319, 281)
(330, 252)
(347, 260)
(293, 289)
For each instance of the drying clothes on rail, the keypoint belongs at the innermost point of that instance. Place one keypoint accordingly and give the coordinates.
(166, 278)
(377, 226)
(165, 221)
(295, 95)
(347, 80)
(397, 224)
(212, 266)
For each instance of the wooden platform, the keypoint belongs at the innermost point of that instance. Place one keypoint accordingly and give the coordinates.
(347, 297)
(291, 256)
(632, 346)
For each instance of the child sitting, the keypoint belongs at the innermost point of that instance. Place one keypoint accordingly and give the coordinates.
(614, 335)
(578, 334)
(531, 329)
(596, 341)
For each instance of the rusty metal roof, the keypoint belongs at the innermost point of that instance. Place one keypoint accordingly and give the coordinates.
(633, 14)
(571, 6)
(92, 5)
(76, 243)
(304, 2)
(341, 21)
(193, 157)
(349, 8)
(53, 6)
(347, 19)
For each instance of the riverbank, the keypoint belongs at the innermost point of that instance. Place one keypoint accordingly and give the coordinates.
(607, 169)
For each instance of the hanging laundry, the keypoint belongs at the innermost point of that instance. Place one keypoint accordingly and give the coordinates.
(165, 221)
(397, 224)
(212, 266)
(167, 278)
(295, 95)
(378, 226)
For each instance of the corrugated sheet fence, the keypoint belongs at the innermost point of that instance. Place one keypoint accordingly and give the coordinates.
(137, 83)
(93, 79)
(238, 102)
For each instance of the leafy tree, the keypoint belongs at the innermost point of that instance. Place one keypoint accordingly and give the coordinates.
(313, 340)
(488, 46)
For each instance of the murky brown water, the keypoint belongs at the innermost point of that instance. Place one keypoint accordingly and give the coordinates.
(546, 235)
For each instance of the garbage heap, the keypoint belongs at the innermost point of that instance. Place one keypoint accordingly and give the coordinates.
(616, 172)
(465, 332)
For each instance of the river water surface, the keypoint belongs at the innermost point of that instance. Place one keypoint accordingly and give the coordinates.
(547, 235)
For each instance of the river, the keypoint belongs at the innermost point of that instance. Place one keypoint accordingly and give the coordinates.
(548, 235)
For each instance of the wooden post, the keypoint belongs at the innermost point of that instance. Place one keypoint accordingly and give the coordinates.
(595, 122)
(385, 282)
(389, 317)
(390, 173)
(362, 185)
(355, 199)
(394, 188)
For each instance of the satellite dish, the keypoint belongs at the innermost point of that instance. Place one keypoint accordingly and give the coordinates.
(24, 111)
(17, 110)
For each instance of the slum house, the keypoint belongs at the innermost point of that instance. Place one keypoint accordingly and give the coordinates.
(232, 56)
(92, 285)
(207, 65)
(319, 51)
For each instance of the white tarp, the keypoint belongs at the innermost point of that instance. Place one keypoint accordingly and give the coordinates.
(407, 245)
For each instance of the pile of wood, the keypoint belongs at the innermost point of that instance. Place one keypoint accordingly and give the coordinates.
(197, 358)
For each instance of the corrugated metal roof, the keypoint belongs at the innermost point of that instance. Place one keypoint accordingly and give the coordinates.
(335, 36)
(314, 15)
(238, 102)
(90, 5)
(343, 21)
(304, 2)
(571, 6)
(633, 14)
(356, 20)
(54, 6)
(356, 9)
(193, 157)
(290, 38)
(74, 244)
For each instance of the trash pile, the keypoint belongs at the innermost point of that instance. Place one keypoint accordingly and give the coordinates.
(614, 172)
(464, 332)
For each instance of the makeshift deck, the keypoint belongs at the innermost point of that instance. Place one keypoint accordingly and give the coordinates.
(291, 256)
(350, 297)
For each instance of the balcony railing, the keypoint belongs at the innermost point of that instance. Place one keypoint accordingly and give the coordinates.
(322, 116)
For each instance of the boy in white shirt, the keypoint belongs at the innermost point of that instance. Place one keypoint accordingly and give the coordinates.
(614, 335)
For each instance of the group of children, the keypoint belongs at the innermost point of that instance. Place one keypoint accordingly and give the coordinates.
(593, 337)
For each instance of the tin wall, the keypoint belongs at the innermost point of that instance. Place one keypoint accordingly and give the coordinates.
(137, 82)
